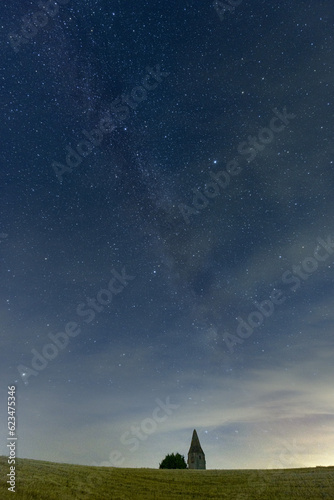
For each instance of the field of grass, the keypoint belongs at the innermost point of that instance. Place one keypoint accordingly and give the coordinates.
(53, 481)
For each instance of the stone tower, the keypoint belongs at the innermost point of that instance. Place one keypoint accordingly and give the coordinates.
(196, 457)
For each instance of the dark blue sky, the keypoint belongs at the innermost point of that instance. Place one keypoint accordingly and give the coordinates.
(166, 230)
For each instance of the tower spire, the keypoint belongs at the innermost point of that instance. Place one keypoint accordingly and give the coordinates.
(196, 456)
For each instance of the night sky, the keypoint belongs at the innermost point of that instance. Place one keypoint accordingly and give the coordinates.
(166, 230)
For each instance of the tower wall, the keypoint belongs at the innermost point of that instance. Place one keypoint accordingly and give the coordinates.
(196, 461)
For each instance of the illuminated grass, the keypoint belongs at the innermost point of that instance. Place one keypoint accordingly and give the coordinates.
(53, 481)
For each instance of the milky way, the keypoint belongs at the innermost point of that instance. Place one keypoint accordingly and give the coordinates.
(188, 146)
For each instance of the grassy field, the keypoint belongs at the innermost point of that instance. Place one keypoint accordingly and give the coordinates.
(53, 481)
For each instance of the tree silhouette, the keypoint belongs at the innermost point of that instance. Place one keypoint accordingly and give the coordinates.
(172, 461)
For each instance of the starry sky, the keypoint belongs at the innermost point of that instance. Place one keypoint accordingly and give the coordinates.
(166, 230)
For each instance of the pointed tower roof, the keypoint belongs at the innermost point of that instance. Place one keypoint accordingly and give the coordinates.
(195, 446)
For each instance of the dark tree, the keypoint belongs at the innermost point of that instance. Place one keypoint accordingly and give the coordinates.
(173, 462)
